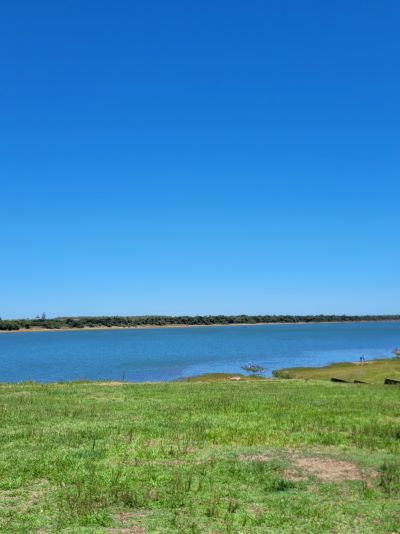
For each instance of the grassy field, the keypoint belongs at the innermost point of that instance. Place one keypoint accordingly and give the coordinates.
(374, 371)
(209, 457)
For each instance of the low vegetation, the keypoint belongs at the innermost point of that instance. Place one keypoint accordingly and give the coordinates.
(183, 320)
(222, 377)
(373, 371)
(247, 456)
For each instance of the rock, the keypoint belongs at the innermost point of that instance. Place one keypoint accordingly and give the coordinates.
(340, 380)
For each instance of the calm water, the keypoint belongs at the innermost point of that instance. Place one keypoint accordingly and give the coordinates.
(166, 354)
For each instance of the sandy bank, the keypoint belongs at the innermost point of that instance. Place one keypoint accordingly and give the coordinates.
(150, 326)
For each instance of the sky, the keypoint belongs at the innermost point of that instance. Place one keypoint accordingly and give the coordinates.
(199, 157)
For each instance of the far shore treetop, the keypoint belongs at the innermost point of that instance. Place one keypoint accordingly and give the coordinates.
(137, 321)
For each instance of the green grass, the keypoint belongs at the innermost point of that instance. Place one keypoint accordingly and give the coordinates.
(373, 371)
(208, 457)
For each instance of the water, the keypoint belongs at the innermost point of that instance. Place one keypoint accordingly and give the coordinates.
(170, 353)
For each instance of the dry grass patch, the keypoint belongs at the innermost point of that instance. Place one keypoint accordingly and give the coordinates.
(328, 469)
(127, 522)
(21, 501)
(324, 469)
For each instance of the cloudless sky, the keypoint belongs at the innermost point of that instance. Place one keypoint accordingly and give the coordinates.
(175, 157)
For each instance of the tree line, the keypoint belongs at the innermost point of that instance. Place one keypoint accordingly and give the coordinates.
(183, 320)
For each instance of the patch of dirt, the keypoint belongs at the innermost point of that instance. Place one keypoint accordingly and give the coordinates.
(256, 511)
(322, 468)
(37, 490)
(126, 522)
(328, 469)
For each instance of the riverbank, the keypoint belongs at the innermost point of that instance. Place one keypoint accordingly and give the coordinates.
(242, 457)
(151, 326)
(373, 371)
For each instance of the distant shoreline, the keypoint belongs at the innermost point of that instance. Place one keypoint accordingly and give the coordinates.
(150, 326)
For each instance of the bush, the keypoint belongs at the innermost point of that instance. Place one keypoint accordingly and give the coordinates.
(282, 374)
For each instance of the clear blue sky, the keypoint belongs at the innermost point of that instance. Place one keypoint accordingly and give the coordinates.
(199, 157)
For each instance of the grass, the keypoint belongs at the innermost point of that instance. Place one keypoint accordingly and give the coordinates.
(210, 457)
(373, 371)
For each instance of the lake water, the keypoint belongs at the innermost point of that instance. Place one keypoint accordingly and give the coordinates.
(171, 353)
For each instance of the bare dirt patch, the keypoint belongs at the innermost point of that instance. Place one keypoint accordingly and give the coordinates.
(128, 523)
(300, 468)
(328, 469)
(294, 475)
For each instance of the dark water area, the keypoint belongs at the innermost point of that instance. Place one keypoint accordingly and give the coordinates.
(172, 353)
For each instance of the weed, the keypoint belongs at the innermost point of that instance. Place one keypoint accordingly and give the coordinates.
(390, 478)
